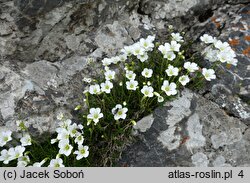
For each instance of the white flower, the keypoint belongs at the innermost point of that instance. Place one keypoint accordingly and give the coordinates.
(119, 112)
(95, 114)
(106, 68)
(151, 38)
(146, 44)
(130, 75)
(5, 156)
(115, 60)
(72, 129)
(65, 147)
(208, 74)
(172, 71)
(16, 152)
(23, 161)
(26, 140)
(83, 152)
(160, 99)
(106, 61)
(147, 73)
(58, 162)
(5, 136)
(163, 50)
(131, 84)
(107, 86)
(226, 56)
(221, 46)
(147, 91)
(173, 46)
(65, 123)
(223, 57)
(177, 37)
(39, 164)
(167, 52)
(191, 66)
(184, 80)
(127, 50)
(169, 89)
(94, 89)
(230, 52)
(22, 125)
(109, 75)
(170, 55)
(80, 126)
(137, 49)
(24, 158)
(207, 39)
(63, 134)
(123, 57)
(211, 54)
(79, 139)
(232, 61)
(53, 141)
(143, 57)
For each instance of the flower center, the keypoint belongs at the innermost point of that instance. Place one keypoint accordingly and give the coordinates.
(67, 147)
(82, 151)
(5, 139)
(17, 155)
(119, 112)
(167, 88)
(96, 116)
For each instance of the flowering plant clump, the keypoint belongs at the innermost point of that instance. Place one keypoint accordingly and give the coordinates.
(143, 76)
(67, 146)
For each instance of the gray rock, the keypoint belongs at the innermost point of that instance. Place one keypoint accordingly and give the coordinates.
(200, 160)
(195, 140)
(44, 48)
(220, 162)
(144, 124)
(194, 129)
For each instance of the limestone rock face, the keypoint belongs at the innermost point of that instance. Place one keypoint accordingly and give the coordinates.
(204, 136)
(45, 47)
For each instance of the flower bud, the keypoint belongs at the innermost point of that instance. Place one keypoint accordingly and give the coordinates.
(133, 122)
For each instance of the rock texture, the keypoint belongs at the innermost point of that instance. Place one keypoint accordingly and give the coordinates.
(190, 131)
(46, 47)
